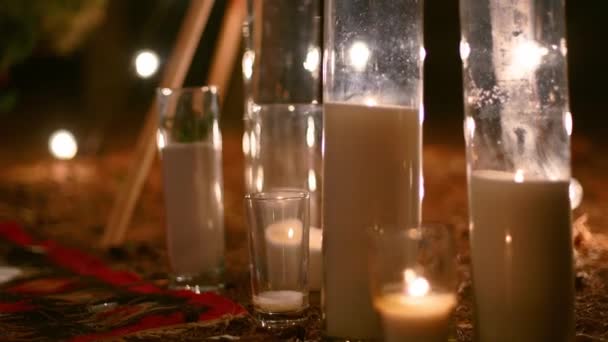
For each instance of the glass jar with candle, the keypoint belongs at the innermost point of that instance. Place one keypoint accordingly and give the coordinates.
(278, 253)
(517, 129)
(372, 146)
(413, 282)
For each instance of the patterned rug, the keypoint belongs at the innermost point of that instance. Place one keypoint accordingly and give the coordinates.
(52, 292)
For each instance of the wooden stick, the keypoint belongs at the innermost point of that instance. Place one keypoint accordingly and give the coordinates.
(228, 45)
(174, 73)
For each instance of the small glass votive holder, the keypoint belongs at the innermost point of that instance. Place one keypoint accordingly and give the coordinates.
(413, 282)
(190, 146)
(278, 248)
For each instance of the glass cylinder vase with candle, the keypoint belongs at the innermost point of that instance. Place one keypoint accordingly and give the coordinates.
(517, 130)
(283, 114)
(413, 281)
(372, 146)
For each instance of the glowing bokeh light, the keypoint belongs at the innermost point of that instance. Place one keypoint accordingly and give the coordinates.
(359, 55)
(146, 63)
(62, 145)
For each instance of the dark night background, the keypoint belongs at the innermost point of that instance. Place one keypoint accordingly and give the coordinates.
(95, 92)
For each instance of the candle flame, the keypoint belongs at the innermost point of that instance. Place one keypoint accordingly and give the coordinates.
(290, 233)
(418, 288)
(415, 285)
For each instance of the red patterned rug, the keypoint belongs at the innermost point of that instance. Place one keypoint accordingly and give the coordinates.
(52, 292)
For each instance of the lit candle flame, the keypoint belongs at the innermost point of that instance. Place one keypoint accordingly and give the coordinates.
(415, 286)
(290, 233)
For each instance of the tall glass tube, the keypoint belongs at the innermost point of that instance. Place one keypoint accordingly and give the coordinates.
(517, 129)
(283, 114)
(372, 146)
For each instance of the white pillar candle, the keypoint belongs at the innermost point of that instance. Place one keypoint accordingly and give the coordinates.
(315, 258)
(279, 301)
(283, 253)
(372, 161)
(521, 246)
(415, 318)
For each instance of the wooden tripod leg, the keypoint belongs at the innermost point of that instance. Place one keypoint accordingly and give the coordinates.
(228, 46)
(174, 73)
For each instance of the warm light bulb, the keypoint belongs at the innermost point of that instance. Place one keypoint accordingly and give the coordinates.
(62, 145)
(146, 63)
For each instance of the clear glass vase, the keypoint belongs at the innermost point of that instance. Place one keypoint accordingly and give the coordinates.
(283, 115)
(517, 130)
(372, 146)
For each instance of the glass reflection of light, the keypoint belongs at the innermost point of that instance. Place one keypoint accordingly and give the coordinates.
(575, 192)
(246, 145)
(217, 136)
(312, 180)
(465, 50)
(253, 145)
(568, 123)
(469, 126)
(313, 58)
(259, 179)
(359, 55)
(161, 141)
(217, 189)
(310, 132)
(248, 177)
(527, 56)
(422, 53)
(370, 102)
(247, 64)
(421, 188)
(421, 113)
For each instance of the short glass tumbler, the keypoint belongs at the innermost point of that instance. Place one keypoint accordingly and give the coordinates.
(413, 282)
(278, 247)
(190, 145)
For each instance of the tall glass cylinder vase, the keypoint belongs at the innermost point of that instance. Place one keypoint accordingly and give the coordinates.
(372, 146)
(283, 115)
(517, 129)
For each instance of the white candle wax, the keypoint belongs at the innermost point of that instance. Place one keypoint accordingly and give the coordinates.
(420, 319)
(371, 176)
(315, 258)
(279, 301)
(194, 210)
(283, 241)
(521, 235)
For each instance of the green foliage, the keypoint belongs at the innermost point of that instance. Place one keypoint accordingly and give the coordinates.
(187, 128)
(59, 24)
